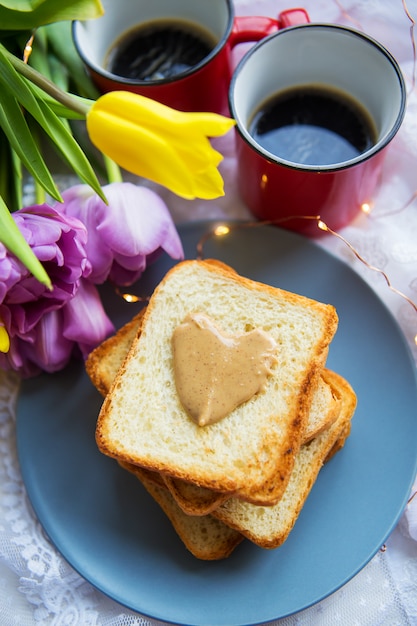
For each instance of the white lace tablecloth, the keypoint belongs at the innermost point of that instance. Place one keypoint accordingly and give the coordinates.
(38, 587)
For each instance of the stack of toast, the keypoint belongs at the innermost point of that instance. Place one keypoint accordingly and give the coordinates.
(248, 474)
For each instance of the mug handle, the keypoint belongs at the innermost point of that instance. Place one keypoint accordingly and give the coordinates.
(253, 28)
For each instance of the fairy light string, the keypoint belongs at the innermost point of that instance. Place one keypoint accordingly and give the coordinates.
(223, 229)
(325, 228)
(367, 209)
(347, 16)
(411, 498)
(413, 42)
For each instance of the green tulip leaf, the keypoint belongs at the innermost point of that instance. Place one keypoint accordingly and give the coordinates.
(69, 149)
(28, 14)
(53, 126)
(15, 127)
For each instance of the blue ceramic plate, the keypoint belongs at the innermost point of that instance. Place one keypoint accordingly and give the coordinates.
(108, 528)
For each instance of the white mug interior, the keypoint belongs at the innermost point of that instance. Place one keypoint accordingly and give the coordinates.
(95, 37)
(323, 55)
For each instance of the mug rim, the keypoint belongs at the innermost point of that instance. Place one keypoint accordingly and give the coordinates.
(122, 80)
(333, 167)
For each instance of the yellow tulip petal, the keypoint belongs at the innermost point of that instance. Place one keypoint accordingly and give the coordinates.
(189, 138)
(198, 155)
(152, 140)
(136, 109)
(209, 184)
(197, 151)
(141, 152)
(4, 340)
(210, 124)
(140, 109)
(161, 118)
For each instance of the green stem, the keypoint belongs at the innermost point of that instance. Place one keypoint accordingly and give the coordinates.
(47, 86)
(114, 175)
(40, 195)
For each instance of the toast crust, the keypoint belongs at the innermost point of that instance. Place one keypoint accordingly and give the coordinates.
(103, 363)
(269, 527)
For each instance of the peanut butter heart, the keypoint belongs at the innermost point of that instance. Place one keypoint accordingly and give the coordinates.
(215, 372)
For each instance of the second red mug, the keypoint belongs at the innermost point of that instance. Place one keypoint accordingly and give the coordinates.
(312, 130)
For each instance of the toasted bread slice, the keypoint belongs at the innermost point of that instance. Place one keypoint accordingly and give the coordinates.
(142, 420)
(205, 537)
(269, 527)
(102, 366)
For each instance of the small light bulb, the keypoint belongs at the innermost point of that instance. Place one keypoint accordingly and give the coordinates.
(366, 208)
(130, 297)
(221, 230)
(264, 181)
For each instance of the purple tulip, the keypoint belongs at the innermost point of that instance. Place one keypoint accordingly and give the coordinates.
(40, 327)
(81, 243)
(125, 234)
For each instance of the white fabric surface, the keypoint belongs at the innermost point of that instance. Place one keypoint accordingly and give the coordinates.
(37, 587)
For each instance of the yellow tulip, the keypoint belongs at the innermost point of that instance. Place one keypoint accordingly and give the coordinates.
(152, 140)
(4, 340)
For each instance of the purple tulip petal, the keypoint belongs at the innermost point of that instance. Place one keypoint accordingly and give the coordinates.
(85, 320)
(44, 350)
(123, 233)
(51, 350)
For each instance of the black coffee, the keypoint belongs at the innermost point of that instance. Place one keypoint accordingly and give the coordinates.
(159, 50)
(313, 126)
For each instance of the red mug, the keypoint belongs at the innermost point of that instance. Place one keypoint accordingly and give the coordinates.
(289, 95)
(201, 87)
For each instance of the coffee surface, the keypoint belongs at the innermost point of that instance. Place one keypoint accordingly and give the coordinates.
(159, 50)
(313, 125)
